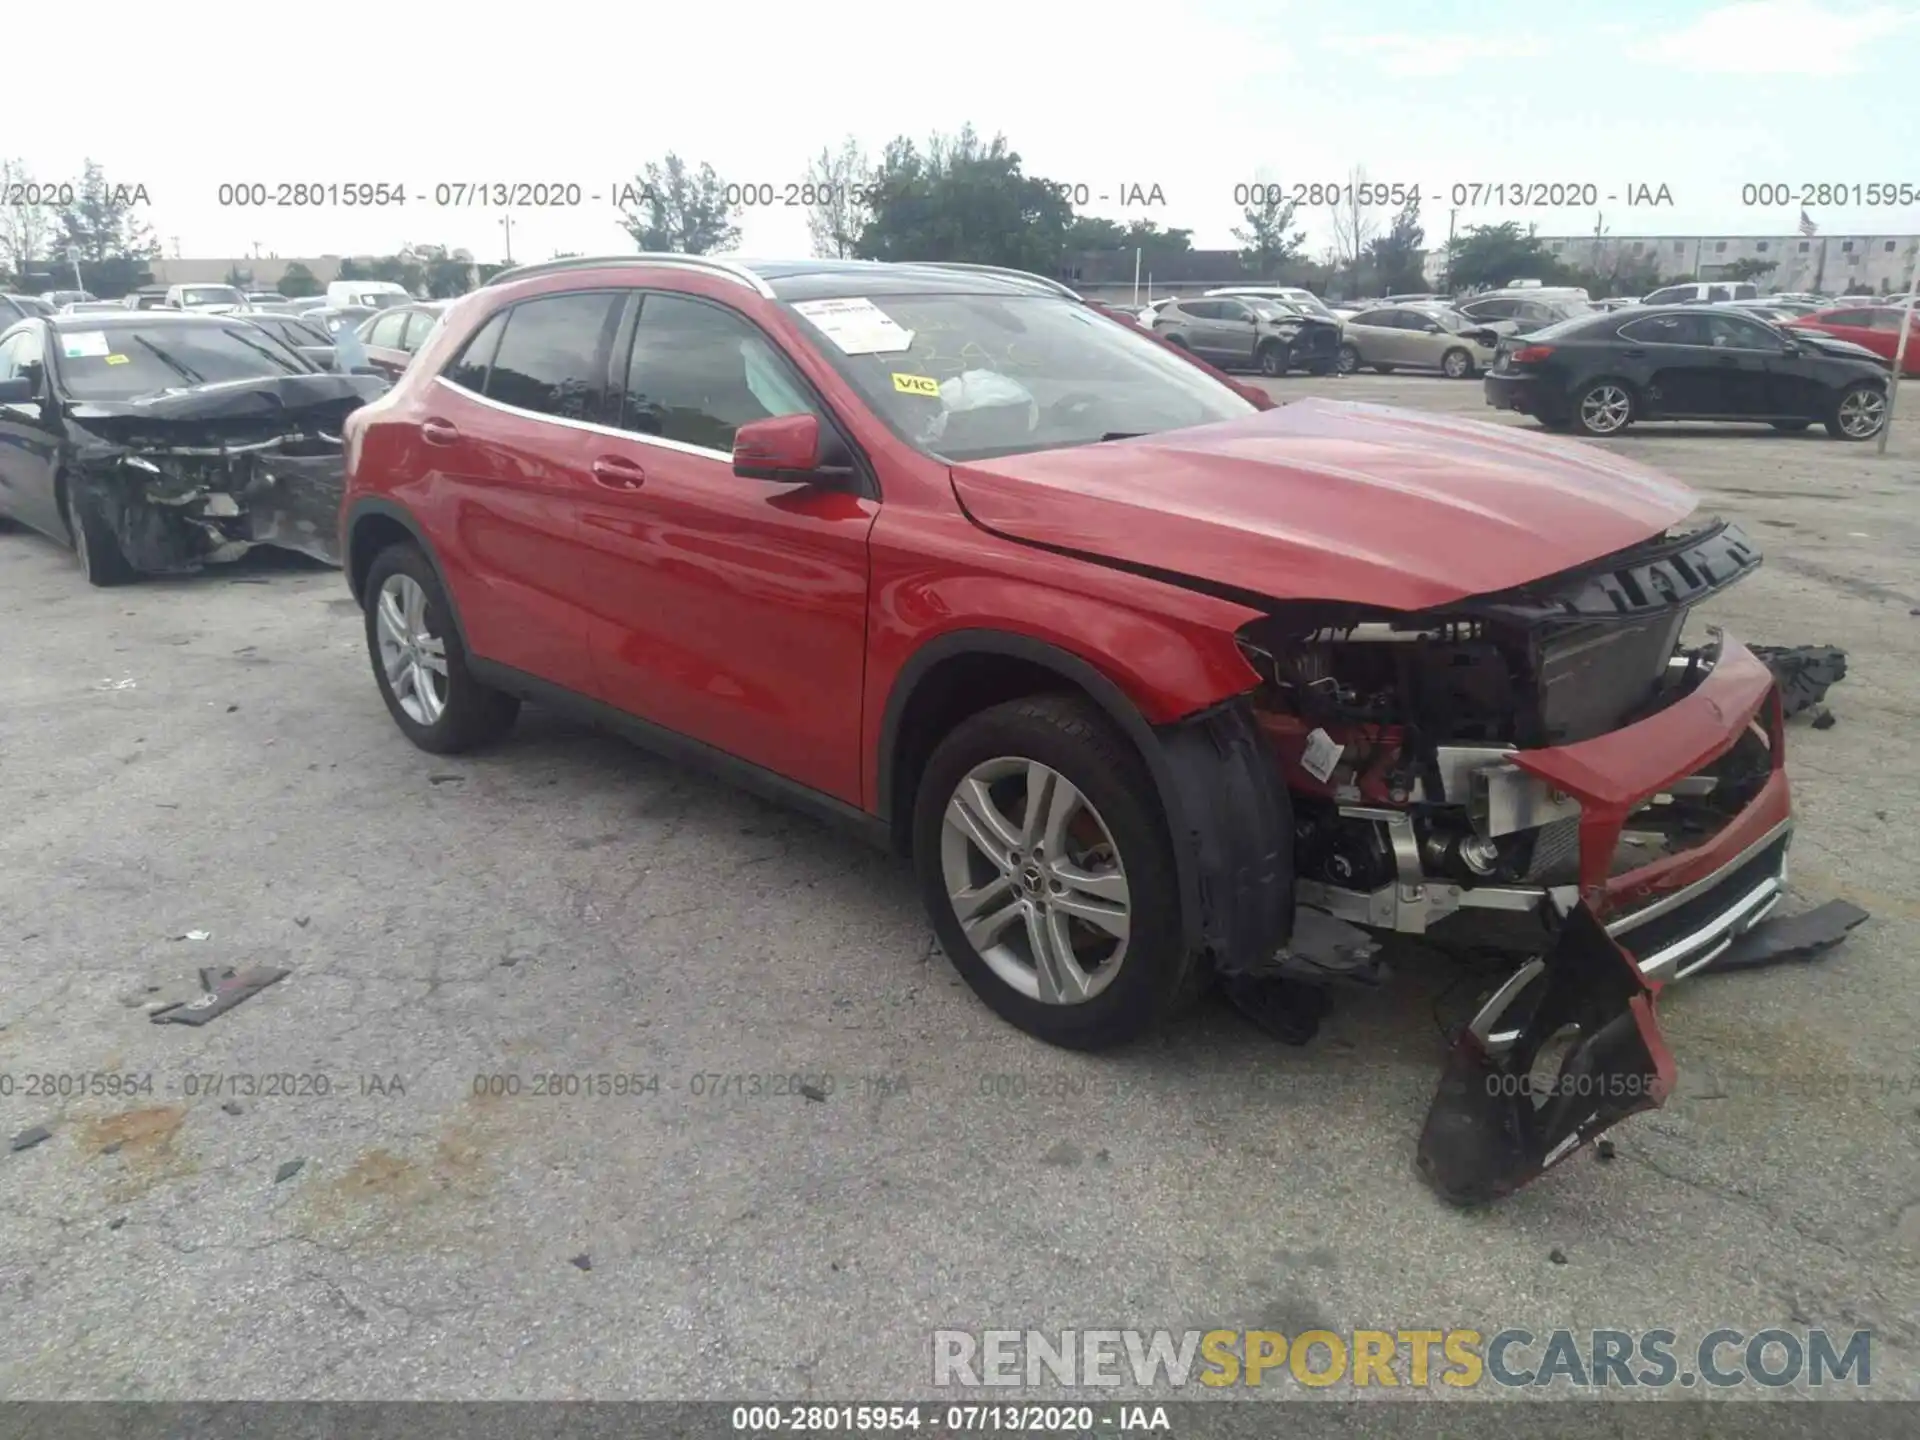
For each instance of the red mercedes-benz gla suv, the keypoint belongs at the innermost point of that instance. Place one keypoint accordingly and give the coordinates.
(1155, 687)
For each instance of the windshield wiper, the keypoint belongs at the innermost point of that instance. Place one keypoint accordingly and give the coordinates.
(171, 363)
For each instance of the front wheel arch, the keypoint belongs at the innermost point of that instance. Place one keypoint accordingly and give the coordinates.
(372, 526)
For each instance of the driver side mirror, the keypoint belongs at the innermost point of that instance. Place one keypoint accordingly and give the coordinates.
(789, 450)
(20, 390)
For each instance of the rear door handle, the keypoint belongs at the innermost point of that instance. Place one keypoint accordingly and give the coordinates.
(438, 432)
(618, 474)
(1634, 354)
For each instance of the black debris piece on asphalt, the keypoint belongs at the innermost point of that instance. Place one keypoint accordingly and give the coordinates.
(1823, 719)
(1604, 1150)
(223, 989)
(445, 779)
(113, 1148)
(303, 921)
(116, 1223)
(1797, 937)
(1804, 672)
(287, 1171)
(1557, 1255)
(232, 1107)
(27, 1139)
(232, 708)
(582, 1261)
(1325, 950)
(1283, 1009)
(813, 1092)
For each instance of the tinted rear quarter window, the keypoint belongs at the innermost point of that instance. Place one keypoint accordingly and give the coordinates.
(552, 358)
(469, 368)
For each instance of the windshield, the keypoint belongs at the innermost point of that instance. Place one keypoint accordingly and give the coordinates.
(211, 295)
(968, 377)
(130, 361)
(1274, 310)
(381, 300)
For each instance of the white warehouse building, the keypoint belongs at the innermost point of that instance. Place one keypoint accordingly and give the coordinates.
(1828, 264)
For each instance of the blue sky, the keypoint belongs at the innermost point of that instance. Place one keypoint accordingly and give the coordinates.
(1700, 98)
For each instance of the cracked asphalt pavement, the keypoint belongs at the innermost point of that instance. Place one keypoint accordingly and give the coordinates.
(784, 1143)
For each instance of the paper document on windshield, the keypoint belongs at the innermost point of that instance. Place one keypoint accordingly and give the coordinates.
(857, 326)
(84, 345)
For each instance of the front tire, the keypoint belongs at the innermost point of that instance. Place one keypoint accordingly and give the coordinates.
(1045, 867)
(1457, 364)
(1858, 414)
(419, 662)
(1348, 361)
(1603, 408)
(95, 545)
(1274, 360)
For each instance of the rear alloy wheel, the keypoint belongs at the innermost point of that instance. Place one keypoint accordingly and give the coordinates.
(1045, 867)
(1456, 364)
(1348, 362)
(1274, 359)
(1859, 413)
(419, 662)
(1603, 408)
(95, 545)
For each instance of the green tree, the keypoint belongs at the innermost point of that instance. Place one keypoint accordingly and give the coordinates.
(104, 228)
(1091, 232)
(297, 280)
(1397, 258)
(1269, 240)
(966, 200)
(1750, 267)
(837, 199)
(24, 229)
(443, 273)
(1488, 255)
(681, 210)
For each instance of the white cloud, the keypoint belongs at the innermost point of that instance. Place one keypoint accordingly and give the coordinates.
(1779, 37)
(1403, 54)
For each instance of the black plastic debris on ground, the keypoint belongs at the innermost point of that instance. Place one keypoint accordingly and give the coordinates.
(287, 1171)
(582, 1262)
(1797, 937)
(27, 1139)
(1804, 671)
(224, 989)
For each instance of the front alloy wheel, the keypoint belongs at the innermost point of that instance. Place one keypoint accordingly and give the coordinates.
(1349, 360)
(1035, 881)
(1860, 414)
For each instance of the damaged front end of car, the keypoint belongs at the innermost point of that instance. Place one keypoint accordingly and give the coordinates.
(197, 477)
(1554, 768)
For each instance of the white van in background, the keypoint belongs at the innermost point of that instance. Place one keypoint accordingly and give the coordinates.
(366, 294)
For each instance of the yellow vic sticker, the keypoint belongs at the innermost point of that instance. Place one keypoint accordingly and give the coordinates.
(916, 385)
(116, 359)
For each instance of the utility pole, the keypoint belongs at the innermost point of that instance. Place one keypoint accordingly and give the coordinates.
(506, 224)
(1900, 349)
(1451, 215)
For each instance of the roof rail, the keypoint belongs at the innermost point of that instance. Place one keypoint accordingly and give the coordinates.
(737, 273)
(1027, 275)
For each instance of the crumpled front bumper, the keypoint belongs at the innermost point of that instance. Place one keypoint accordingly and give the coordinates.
(1498, 1120)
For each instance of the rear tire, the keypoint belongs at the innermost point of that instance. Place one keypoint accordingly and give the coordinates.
(994, 759)
(419, 662)
(1348, 361)
(1606, 407)
(95, 545)
(1859, 414)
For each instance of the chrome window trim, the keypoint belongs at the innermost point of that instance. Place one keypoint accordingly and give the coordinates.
(613, 432)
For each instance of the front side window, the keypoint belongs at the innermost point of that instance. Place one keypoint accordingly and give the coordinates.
(420, 325)
(968, 377)
(131, 361)
(552, 355)
(697, 373)
(1666, 330)
(1734, 332)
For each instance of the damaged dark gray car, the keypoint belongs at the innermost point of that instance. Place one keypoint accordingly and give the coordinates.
(158, 443)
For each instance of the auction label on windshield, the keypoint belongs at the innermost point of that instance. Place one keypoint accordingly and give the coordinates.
(916, 385)
(84, 345)
(857, 326)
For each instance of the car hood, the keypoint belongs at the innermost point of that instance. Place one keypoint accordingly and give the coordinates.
(1328, 500)
(1828, 343)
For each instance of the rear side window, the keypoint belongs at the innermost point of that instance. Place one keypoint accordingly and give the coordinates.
(385, 332)
(552, 357)
(420, 324)
(469, 371)
(1382, 318)
(1860, 318)
(697, 373)
(1887, 320)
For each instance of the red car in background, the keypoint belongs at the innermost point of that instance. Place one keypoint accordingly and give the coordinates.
(1876, 327)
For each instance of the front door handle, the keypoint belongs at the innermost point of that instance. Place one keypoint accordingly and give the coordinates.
(1634, 354)
(438, 432)
(617, 473)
